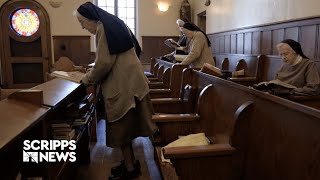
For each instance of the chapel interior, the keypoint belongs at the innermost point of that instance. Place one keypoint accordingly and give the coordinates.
(211, 126)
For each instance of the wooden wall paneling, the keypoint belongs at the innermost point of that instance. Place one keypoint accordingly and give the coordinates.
(308, 40)
(221, 43)
(233, 43)
(256, 37)
(247, 43)
(318, 44)
(292, 33)
(264, 37)
(277, 36)
(211, 39)
(217, 45)
(153, 46)
(240, 43)
(266, 42)
(227, 44)
(77, 48)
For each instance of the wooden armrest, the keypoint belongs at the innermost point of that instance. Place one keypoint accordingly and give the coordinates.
(239, 79)
(160, 91)
(304, 98)
(166, 101)
(198, 151)
(175, 117)
(153, 79)
(155, 83)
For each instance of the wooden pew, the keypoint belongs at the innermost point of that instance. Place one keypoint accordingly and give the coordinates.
(164, 75)
(217, 160)
(173, 125)
(270, 138)
(174, 84)
(236, 62)
(151, 72)
(210, 107)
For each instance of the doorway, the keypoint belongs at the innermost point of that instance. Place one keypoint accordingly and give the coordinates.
(202, 18)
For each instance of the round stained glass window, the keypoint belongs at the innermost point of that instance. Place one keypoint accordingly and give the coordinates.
(25, 22)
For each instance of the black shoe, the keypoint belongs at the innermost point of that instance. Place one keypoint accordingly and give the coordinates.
(121, 167)
(125, 174)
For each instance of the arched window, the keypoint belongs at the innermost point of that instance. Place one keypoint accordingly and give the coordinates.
(124, 9)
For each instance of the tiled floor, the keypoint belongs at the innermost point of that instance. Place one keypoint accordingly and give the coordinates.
(103, 158)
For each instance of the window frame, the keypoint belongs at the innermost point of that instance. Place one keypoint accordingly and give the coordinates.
(116, 13)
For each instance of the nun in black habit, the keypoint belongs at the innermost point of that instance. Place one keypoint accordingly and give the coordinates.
(123, 84)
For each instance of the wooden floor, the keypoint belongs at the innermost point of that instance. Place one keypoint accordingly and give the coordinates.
(103, 158)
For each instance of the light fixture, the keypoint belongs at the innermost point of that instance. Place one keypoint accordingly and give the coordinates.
(163, 6)
(55, 3)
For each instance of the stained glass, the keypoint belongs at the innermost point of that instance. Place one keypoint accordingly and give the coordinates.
(25, 22)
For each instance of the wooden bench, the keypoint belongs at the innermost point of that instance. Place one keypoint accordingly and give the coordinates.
(270, 137)
(164, 75)
(174, 83)
(151, 72)
(236, 62)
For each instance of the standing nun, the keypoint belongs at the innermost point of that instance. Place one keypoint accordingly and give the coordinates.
(123, 84)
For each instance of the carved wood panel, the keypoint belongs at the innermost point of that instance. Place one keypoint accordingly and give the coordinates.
(153, 46)
(76, 48)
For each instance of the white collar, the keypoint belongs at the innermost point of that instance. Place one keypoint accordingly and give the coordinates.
(297, 60)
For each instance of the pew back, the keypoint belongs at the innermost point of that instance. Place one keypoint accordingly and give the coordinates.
(276, 138)
(231, 62)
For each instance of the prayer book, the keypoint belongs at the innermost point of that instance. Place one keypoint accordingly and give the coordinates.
(74, 76)
(272, 84)
(212, 70)
(171, 43)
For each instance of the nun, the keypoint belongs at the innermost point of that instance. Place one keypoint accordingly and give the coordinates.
(297, 70)
(123, 84)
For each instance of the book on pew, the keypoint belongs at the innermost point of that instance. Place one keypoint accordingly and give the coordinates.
(74, 76)
(276, 87)
(274, 83)
(212, 70)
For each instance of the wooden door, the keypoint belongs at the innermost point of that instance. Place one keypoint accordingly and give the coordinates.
(202, 18)
(25, 44)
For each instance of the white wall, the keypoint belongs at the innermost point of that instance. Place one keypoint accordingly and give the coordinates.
(231, 14)
(151, 21)
(221, 15)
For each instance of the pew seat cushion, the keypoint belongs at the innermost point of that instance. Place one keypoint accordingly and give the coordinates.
(189, 140)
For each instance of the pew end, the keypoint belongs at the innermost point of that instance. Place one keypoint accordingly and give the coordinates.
(172, 125)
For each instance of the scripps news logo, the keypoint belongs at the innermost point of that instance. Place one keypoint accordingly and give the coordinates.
(49, 150)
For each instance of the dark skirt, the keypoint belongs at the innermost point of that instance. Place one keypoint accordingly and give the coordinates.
(136, 123)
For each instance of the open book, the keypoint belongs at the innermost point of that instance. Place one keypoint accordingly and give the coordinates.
(272, 84)
(74, 76)
(171, 43)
